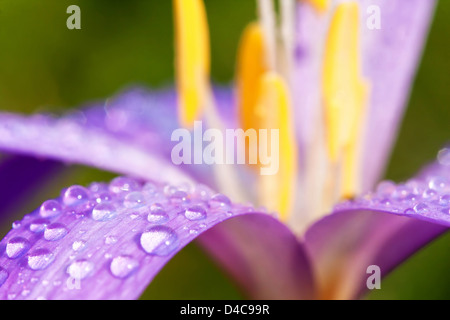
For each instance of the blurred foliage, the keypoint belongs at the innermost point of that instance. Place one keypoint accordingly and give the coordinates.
(46, 67)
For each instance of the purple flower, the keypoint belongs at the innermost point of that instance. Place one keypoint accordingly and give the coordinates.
(334, 85)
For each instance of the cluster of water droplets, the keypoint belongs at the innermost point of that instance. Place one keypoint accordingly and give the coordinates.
(427, 196)
(157, 217)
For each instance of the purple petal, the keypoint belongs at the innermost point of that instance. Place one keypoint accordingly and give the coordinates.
(109, 241)
(70, 141)
(382, 228)
(129, 134)
(251, 249)
(389, 58)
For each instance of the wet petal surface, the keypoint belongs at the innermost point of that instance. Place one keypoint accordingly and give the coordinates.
(382, 228)
(99, 248)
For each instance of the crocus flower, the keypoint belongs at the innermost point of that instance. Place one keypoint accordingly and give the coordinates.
(332, 80)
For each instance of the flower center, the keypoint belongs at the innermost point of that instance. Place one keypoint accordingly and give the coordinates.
(324, 172)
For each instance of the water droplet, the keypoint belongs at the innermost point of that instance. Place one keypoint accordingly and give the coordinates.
(429, 193)
(80, 269)
(134, 199)
(75, 195)
(123, 184)
(16, 247)
(444, 157)
(25, 292)
(78, 245)
(3, 276)
(179, 197)
(149, 188)
(438, 184)
(159, 240)
(409, 211)
(16, 224)
(401, 192)
(386, 188)
(219, 200)
(38, 225)
(444, 200)
(195, 213)
(104, 197)
(104, 212)
(50, 208)
(202, 192)
(110, 240)
(55, 231)
(123, 266)
(157, 215)
(169, 190)
(421, 208)
(98, 187)
(40, 259)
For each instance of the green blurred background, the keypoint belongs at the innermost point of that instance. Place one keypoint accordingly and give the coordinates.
(46, 67)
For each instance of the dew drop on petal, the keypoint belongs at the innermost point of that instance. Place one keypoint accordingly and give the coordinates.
(50, 208)
(149, 188)
(123, 184)
(80, 269)
(16, 247)
(78, 245)
(134, 200)
(159, 240)
(195, 213)
(3, 276)
(40, 259)
(444, 200)
(38, 225)
(75, 195)
(421, 208)
(157, 215)
(179, 197)
(386, 188)
(110, 240)
(123, 266)
(444, 157)
(438, 184)
(219, 200)
(409, 211)
(16, 224)
(55, 231)
(429, 194)
(104, 197)
(104, 212)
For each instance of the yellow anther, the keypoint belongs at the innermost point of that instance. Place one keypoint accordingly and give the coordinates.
(344, 92)
(192, 59)
(274, 110)
(319, 5)
(251, 65)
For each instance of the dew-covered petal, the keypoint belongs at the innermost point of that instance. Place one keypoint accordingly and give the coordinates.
(81, 256)
(382, 228)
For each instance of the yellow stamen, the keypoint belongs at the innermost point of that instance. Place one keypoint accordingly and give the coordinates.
(277, 190)
(319, 5)
(251, 65)
(192, 59)
(344, 92)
